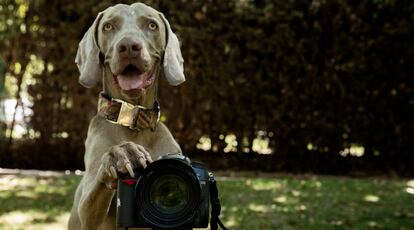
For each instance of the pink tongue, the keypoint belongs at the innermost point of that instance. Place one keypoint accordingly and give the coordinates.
(130, 82)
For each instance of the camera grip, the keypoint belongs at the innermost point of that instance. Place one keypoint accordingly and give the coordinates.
(126, 206)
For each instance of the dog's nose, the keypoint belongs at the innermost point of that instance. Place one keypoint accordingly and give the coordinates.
(129, 47)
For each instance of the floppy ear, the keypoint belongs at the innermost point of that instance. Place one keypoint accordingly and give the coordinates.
(173, 60)
(87, 57)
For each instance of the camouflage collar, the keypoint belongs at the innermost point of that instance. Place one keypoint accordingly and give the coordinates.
(135, 117)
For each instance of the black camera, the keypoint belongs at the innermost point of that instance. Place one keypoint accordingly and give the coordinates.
(170, 193)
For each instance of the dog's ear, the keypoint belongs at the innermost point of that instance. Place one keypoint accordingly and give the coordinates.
(87, 57)
(173, 60)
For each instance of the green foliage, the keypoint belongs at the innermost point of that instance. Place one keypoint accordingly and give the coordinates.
(325, 73)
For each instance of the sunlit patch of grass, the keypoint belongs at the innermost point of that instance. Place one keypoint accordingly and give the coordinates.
(262, 207)
(280, 199)
(410, 183)
(410, 187)
(29, 202)
(33, 220)
(371, 198)
(230, 222)
(17, 218)
(263, 185)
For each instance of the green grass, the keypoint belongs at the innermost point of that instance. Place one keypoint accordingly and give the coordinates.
(281, 202)
(317, 203)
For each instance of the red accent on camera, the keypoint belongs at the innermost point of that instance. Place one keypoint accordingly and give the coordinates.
(129, 181)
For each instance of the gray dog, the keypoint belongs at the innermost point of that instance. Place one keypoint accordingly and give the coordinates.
(126, 47)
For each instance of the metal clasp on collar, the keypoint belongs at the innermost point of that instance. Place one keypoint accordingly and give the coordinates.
(128, 114)
(135, 115)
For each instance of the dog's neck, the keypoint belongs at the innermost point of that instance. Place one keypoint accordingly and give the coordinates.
(147, 99)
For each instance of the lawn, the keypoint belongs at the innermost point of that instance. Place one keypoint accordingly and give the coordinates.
(267, 202)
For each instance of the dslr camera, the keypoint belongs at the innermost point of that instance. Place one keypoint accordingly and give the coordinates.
(170, 193)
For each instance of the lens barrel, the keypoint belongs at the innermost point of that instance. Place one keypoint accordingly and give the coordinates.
(168, 193)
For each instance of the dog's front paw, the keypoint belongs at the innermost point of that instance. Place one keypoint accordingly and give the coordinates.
(122, 158)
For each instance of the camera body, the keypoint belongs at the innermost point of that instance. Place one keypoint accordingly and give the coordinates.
(170, 193)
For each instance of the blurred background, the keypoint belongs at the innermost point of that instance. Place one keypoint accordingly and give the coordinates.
(277, 93)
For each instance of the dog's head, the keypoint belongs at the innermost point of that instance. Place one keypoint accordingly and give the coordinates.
(127, 45)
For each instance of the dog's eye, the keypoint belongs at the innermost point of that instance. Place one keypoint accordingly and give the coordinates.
(152, 26)
(107, 27)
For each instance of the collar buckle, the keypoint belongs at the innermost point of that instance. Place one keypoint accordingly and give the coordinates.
(135, 114)
(135, 117)
(128, 114)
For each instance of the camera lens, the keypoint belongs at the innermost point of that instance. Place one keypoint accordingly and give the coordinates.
(169, 194)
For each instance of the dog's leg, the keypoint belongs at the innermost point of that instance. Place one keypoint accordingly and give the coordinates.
(98, 187)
